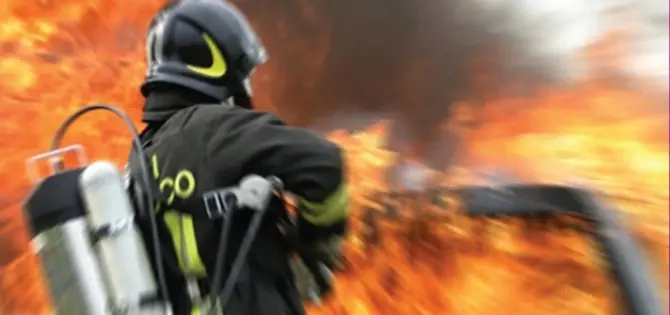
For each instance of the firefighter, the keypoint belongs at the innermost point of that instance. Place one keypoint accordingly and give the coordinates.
(201, 134)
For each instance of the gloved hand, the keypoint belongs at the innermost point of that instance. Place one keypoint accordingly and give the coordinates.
(319, 252)
(312, 268)
(330, 251)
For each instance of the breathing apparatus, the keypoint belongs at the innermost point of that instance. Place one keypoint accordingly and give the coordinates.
(85, 235)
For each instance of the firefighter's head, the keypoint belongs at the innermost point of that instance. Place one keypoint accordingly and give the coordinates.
(206, 46)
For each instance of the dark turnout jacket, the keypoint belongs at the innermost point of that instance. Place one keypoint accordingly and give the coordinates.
(195, 148)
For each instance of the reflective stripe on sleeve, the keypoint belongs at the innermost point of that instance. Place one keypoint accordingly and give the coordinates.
(335, 208)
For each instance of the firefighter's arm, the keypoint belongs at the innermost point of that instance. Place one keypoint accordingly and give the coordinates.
(310, 166)
(312, 169)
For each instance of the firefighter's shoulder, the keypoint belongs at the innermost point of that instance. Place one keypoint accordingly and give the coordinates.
(251, 132)
(256, 126)
(233, 118)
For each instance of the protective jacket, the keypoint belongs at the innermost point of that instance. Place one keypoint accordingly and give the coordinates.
(195, 148)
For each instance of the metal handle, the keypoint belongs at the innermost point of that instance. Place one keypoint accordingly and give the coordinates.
(56, 166)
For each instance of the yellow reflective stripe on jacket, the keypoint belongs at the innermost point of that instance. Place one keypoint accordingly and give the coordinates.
(333, 209)
(203, 309)
(185, 244)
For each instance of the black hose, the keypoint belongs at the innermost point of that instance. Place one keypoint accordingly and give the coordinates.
(145, 180)
(628, 267)
(220, 262)
(221, 298)
(238, 264)
(630, 270)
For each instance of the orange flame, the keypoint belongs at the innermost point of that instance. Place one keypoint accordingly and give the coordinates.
(59, 56)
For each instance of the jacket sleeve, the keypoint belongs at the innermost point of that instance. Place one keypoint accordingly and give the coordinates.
(311, 168)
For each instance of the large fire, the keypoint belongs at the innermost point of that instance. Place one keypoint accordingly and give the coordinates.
(57, 57)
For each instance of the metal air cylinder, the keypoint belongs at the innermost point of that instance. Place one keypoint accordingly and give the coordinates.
(62, 244)
(119, 244)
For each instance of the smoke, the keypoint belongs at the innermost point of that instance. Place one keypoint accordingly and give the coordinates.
(649, 43)
(345, 63)
(544, 37)
(477, 50)
(415, 60)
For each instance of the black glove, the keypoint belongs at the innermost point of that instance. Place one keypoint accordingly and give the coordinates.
(312, 268)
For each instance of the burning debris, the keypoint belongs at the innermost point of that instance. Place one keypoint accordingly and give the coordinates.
(550, 261)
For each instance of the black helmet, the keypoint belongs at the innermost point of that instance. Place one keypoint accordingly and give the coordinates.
(204, 45)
